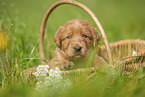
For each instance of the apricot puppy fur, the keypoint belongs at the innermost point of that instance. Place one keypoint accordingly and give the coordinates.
(74, 41)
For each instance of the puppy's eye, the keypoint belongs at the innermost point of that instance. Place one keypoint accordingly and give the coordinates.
(85, 36)
(68, 37)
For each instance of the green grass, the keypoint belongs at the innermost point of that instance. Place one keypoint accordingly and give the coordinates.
(21, 21)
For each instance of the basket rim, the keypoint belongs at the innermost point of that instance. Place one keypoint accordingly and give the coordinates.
(139, 54)
(123, 42)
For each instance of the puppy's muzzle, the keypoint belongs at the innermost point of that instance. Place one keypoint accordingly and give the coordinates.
(77, 48)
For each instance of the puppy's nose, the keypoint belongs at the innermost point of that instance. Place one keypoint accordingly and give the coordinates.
(77, 48)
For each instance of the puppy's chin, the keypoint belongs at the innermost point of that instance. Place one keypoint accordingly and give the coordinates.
(77, 56)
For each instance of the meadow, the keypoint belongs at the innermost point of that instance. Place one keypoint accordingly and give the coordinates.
(20, 22)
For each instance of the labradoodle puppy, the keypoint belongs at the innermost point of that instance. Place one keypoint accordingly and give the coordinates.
(75, 41)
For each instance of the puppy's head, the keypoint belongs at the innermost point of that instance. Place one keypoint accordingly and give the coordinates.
(75, 38)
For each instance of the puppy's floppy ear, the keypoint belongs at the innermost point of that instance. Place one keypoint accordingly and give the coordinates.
(96, 37)
(57, 37)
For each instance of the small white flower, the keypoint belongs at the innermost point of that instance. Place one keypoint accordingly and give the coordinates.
(41, 70)
(57, 70)
(51, 73)
(134, 52)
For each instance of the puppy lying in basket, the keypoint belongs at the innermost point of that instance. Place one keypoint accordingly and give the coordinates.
(75, 41)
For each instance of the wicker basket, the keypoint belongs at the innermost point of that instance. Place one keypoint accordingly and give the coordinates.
(118, 53)
(127, 55)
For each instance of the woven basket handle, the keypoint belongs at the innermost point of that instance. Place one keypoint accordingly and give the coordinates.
(43, 24)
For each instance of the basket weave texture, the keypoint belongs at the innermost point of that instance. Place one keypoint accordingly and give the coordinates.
(123, 55)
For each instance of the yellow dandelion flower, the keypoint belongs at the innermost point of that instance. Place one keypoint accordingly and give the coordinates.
(3, 41)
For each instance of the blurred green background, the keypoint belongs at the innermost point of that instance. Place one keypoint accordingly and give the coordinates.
(21, 20)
